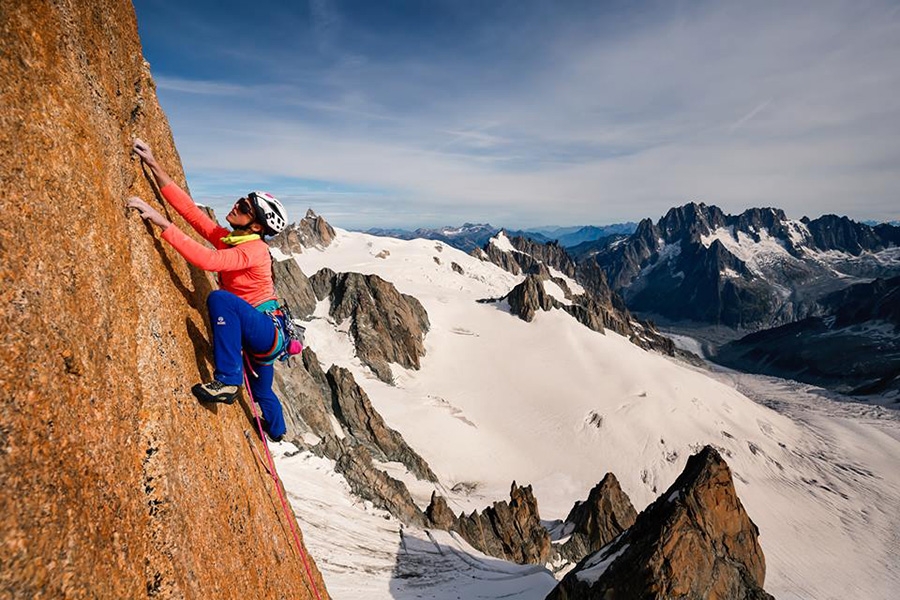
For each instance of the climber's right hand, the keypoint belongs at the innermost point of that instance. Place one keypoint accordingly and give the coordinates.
(142, 149)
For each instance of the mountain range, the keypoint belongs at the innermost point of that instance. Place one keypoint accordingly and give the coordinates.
(749, 271)
(470, 236)
(511, 382)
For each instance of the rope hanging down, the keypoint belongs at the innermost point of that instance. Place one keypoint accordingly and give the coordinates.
(271, 469)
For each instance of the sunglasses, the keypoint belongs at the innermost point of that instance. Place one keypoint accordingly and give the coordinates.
(244, 207)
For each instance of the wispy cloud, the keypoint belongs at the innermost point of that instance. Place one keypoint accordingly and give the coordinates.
(194, 86)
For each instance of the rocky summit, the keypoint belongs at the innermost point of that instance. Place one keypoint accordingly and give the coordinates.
(695, 542)
(312, 231)
(597, 521)
(116, 483)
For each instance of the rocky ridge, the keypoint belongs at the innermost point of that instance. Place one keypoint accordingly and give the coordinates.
(348, 430)
(694, 542)
(467, 237)
(597, 307)
(116, 482)
(331, 406)
(353, 409)
(508, 530)
(749, 271)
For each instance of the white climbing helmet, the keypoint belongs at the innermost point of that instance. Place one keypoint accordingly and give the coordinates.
(269, 210)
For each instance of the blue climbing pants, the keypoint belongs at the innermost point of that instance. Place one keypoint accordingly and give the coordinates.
(236, 325)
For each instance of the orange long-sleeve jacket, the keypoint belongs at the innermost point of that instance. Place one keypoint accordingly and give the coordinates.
(244, 269)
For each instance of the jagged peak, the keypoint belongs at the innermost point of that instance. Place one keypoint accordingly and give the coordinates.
(310, 231)
(502, 242)
(694, 541)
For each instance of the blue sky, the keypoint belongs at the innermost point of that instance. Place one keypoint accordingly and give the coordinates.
(532, 113)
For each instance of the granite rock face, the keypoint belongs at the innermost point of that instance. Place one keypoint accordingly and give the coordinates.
(594, 523)
(386, 326)
(309, 232)
(694, 542)
(116, 483)
(508, 530)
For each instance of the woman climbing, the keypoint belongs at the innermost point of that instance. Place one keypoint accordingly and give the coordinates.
(241, 312)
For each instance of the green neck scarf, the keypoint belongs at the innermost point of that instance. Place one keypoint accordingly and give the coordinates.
(233, 240)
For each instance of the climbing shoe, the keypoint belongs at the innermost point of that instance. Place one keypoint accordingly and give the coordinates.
(215, 391)
(265, 426)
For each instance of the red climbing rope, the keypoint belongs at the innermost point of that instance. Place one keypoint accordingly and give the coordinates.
(274, 474)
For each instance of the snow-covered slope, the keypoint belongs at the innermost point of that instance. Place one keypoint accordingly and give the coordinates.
(556, 405)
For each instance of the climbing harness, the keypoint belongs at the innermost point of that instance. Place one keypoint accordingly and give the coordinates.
(274, 474)
(289, 335)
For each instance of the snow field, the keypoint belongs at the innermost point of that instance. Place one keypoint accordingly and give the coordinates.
(555, 405)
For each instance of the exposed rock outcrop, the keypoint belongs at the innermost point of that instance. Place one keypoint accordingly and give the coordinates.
(551, 254)
(439, 514)
(305, 397)
(596, 307)
(593, 524)
(526, 255)
(694, 542)
(116, 483)
(508, 261)
(293, 286)
(355, 412)
(531, 295)
(311, 231)
(386, 326)
(511, 531)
